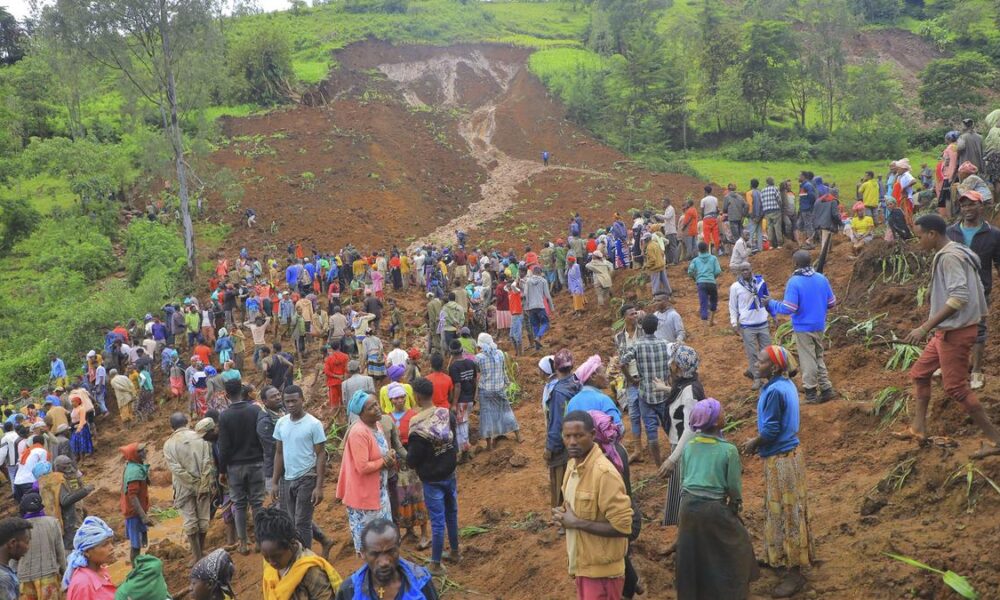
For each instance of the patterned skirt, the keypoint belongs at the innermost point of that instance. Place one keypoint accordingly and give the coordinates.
(81, 443)
(787, 540)
(145, 406)
(410, 496)
(672, 508)
(495, 415)
(45, 588)
(357, 518)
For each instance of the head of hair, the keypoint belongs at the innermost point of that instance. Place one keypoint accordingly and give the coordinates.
(625, 308)
(178, 420)
(649, 324)
(38, 439)
(702, 246)
(437, 361)
(451, 296)
(932, 222)
(423, 387)
(378, 527)
(234, 387)
(708, 189)
(770, 180)
(8, 427)
(754, 183)
(292, 389)
(274, 525)
(12, 527)
(870, 173)
(212, 414)
(580, 416)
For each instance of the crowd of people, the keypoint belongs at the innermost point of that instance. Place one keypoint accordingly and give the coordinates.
(248, 441)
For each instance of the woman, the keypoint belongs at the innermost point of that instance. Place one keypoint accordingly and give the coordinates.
(593, 377)
(224, 346)
(378, 284)
(291, 572)
(215, 390)
(80, 443)
(86, 576)
(502, 304)
(412, 372)
(374, 354)
(946, 173)
(230, 371)
(574, 281)
(145, 405)
(212, 577)
(39, 569)
(684, 392)
(412, 512)
(714, 554)
(364, 470)
(787, 540)
(433, 454)
(391, 432)
(395, 272)
(395, 374)
(495, 415)
(861, 228)
(969, 180)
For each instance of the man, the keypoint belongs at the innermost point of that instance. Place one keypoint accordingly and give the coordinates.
(756, 208)
(808, 297)
(705, 270)
(299, 330)
(433, 317)
(444, 386)
(338, 324)
(15, 539)
(464, 374)
(651, 356)
(135, 497)
(623, 340)
(385, 574)
(669, 327)
(277, 366)
(957, 305)
(536, 298)
(984, 239)
(655, 264)
(299, 465)
(566, 386)
(396, 356)
(669, 231)
(749, 317)
(770, 202)
(597, 515)
(125, 394)
(192, 469)
(734, 209)
(454, 319)
(970, 145)
(741, 252)
(356, 381)
(241, 458)
(8, 452)
(806, 228)
(57, 371)
(25, 479)
(258, 332)
(602, 269)
(272, 410)
(710, 219)
(926, 177)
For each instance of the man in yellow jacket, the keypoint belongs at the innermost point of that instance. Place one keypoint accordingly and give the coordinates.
(597, 513)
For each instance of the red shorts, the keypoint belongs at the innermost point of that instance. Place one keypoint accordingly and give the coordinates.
(604, 588)
(950, 351)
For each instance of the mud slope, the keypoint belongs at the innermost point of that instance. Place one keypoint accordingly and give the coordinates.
(402, 140)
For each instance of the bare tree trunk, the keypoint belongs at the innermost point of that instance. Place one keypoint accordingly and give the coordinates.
(177, 142)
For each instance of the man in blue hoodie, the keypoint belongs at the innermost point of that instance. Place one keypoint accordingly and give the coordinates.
(808, 297)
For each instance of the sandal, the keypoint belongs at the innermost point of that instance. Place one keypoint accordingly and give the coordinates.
(942, 441)
(984, 451)
(910, 434)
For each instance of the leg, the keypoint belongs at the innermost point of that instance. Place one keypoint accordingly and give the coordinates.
(713, 302)
(955, 347)
(822, 375)
(451, 515)
(750, 350)
(921, 373)
(651, 420)
(434, 500)
(807, 363)
(702, 301)
(302, 490)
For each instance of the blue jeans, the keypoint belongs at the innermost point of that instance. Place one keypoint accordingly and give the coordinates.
(708, 299)
(653, 417)
(516, 325)
(441, 498)
(634, 411)
(539, 322)
(756, 235)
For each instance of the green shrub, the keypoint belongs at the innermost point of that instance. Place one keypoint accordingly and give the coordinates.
(766, 147)
(17, 220)
(70, 244)
(151, 246)
(261, 65)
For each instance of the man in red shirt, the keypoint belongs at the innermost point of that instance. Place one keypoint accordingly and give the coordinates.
(335, 369)
(443, 385)
(204, 353)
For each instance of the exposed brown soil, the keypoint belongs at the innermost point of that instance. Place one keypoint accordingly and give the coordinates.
(427, 175)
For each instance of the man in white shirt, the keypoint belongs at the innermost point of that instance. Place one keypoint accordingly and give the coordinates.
(397, 356)
(741, 253)
(671, 327)
(669, 218)
(8, 451)
(749, 317)
(25, 477)
(710, 220)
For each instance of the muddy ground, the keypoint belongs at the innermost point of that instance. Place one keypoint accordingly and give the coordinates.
(404, 143)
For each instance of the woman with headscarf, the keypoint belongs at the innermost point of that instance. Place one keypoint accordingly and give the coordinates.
(946, 170)
(145, 405)
(503, 316)
(574, 281)
(714, 555)
(861, 227)
(684, 392)
(594, 378)
(390, 429)
(364, 470)
(39, 570)
(395, 374)
(135, 496)
(903, 189)
(412, 371)
(81, 442)
(969, 180)
(787, 540)
(433, 454)
(224, 346)
(374, 353)
(495, 415)
(212, 577)
(215, 390)
(412, 512)
(86, 576)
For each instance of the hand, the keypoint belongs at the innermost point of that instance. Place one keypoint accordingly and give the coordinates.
(275, 494)
(665, 470)
(223, 480)
(547, 455)
(317, 496)
(660, 386)
(736, 330)
(147, 520)
(751, 446)
(917, 335)
(565, 517)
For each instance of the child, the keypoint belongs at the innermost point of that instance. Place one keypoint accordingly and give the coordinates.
(135, 497)
(704, 269)
(378, 281)
(395, 319)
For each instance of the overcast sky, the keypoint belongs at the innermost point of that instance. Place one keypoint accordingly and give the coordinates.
(19, 8)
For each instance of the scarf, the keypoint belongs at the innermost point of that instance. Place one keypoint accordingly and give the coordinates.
(432, 424)
(804, 271)
(216, 569)
(27, 451)
(687, 361)
(357, 402)
(93, 532)
(705, 415)
(283, 588)
(607, 434)
(145, 580)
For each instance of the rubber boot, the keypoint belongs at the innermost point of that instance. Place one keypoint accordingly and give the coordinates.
(196, 549)
(654, 452)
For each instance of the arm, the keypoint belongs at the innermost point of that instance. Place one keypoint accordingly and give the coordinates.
(678, 326)
(771, 412)
(279, 466)
(358, 445)
(616, 505)
(418, 452)
(133, 501)
(320, 450)
(177, 469)
(734, 307)
(553, 436)
(686, 437)
(734, 476)
(789, 305)
(67, 498)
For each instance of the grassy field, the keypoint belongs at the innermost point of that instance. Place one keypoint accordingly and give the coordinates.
(44, 192)
(846, 174)
(557, 67)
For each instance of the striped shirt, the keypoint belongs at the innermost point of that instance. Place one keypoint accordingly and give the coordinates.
(770, 199)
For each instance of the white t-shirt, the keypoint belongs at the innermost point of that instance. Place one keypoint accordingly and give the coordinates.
(8, 448)
(710, 206)
(397, 357)
(24, 474)
(298, 443)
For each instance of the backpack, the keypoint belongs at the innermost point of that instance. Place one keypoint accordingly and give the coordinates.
(304, 277)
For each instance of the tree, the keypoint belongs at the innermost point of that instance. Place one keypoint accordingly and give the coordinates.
(878, 11)
(624, 17)
(17, 220)
(717, 53)
(149, 42)
(12, 39)
(765, 65)
(951, 87)
(820, 43)
(262, 66)
(870, 93)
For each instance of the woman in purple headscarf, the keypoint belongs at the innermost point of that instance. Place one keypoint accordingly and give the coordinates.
(714, 555)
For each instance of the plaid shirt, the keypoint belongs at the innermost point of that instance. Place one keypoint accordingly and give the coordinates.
(770, 199)
(652, 358)
(492, 372)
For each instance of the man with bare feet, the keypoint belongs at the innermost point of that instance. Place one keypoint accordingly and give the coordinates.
(957, 304)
